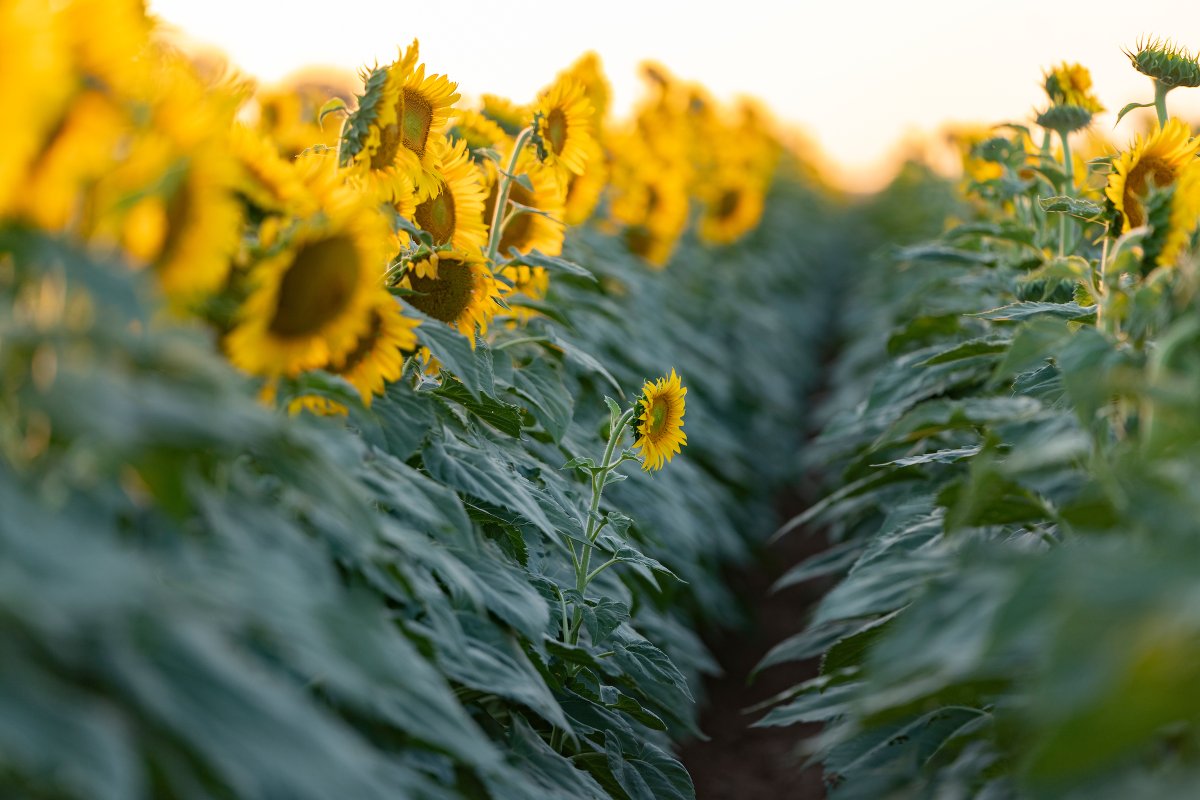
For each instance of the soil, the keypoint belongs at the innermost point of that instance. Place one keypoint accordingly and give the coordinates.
(740, 762)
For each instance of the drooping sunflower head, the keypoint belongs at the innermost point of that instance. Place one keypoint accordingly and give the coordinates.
(456, 288)
(453, 212)
(563, 128)
(1155, 162)
(658, 421)
(312, 299)
(1165, 62)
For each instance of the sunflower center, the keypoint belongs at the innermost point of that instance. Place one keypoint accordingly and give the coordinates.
(389, 144)
(417, 119)
(316, 288)
(556, 130)
(1147, 171)
(728, 203)
(438, 216)
(639, 240)
(179, 213)
(448, 295)
(652, 200)
(364, 346)
(658, 420)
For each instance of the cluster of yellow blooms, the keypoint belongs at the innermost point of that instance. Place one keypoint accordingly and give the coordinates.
(321, 238)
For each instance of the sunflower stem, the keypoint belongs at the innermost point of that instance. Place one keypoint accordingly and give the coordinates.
(506, 181)
(1069, 189)
(590, 530)
(1160, 101)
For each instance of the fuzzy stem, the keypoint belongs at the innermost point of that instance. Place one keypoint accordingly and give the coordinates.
(1069, 175)
(1160, 101)
(506, 181)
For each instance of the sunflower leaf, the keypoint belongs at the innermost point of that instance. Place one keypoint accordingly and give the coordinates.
(1128, 108)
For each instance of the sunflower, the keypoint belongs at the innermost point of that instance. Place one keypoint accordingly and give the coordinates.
(732, 207)
(265, 179)
(1184, 214)
(584, 191)
(456, 288)
(37, 81)
(508, 115)
(106, 37)
(377, 357)
(453, 212)
(1156, 161)
(588, 71)
(479, 133)
(653, 205)
(563, 128)
(659, 422)
(422, 110)
(1071, 85)
(527, 231)
(313, 298)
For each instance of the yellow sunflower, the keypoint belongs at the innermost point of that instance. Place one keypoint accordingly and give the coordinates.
(422, 111)
(653, 206)
(511, 118)
(377, 357)
(658, 425)
(584, 191)
(1071, 85)
(1156, 161)
(453, 212)
(479, 132)
(528, 231)
(313, 299)
(265, 179)
(1184, 215)
(733, 206)
(588, 71)
(456, 288)
(564, 129)
(37, 81)
(106, 37)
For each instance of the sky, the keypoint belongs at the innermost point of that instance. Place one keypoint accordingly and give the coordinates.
(862, 79)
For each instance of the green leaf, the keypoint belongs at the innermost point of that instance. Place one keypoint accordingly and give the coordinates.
(1075, 206)
(1029, 310)
(552, 263)
(498, 414)
(1130, 107)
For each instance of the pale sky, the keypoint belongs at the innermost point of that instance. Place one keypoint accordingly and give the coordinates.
(859, 77)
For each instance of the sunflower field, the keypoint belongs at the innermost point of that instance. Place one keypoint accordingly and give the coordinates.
(388, 441)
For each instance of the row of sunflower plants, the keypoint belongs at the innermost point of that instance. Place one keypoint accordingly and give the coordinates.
(1016, 450)
(318, 429)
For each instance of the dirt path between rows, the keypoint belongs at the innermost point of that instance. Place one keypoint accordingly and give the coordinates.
(740, 762)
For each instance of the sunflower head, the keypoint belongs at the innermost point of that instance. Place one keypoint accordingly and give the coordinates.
(456, 288)
(1153, 163)
(312, 298)
(1166, 62)
(1071, 85)
(508, 115)
(563, 129)
(658, 421)
(377, 357)
(452, 212)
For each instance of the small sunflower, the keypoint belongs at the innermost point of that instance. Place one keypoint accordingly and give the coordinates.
(589, 72)
(453, 212)
(456, 288)
(1156, 161)
(266, 180)
(1071, 85)
(653, 206)
(563, 128)
(479, 133)
(314, 298)
(733, 206)
(528, 231)
(377, 357)
(659, 421)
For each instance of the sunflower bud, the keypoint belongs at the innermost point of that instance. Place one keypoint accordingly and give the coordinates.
(1167, 63)
(1071, 85)
(1065, 118)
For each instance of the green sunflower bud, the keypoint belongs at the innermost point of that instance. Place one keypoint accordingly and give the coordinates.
(1064, 118)
(1167, 63)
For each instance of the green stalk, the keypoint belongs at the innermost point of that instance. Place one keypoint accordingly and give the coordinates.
(506, 181)
(590, 529)
(1160, 101)
(1069, 174)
